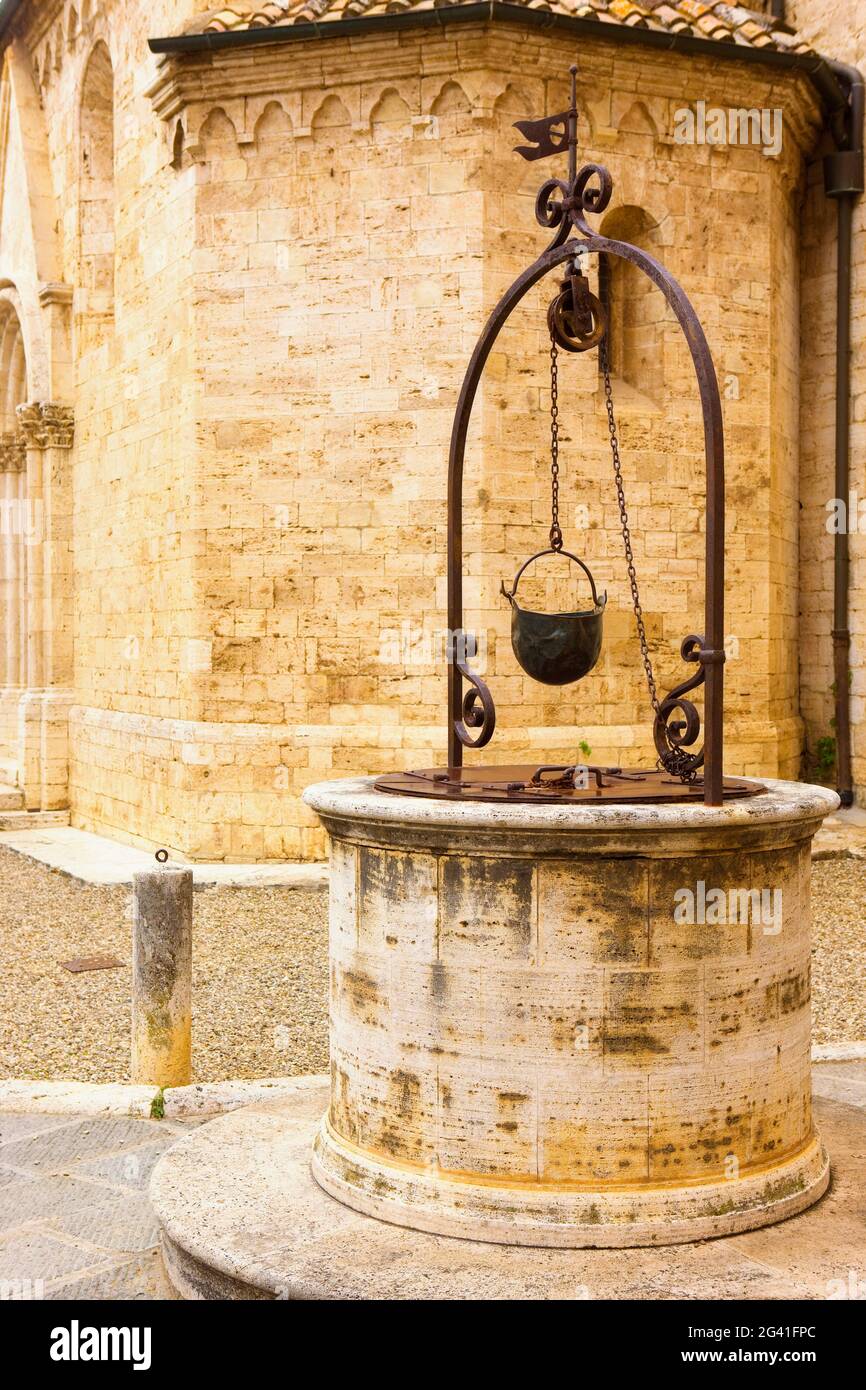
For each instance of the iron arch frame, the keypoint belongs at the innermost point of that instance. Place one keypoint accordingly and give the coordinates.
(471, 711)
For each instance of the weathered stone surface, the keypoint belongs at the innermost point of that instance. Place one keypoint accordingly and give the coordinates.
(593, 914)
(398, 905)
(28, 1106)
(54, 1099)
(584, 1025)
(75, 1220)
(54, 1148)
(242, 1218)
(28, 1256)
(488, 909)
(162, 976)
(140, 1278)
(213, 1097)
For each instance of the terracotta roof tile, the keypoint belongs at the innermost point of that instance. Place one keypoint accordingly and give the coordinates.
(726, 23)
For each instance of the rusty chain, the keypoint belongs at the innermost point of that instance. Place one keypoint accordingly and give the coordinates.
(555, 531)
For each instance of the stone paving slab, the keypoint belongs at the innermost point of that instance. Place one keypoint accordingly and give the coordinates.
(851, 1067)
(844, 1089)
(54, 1199)
(834, 1052)
(225, 1194)
(131, 1168)
(19, 821)
(114, 1221)
(54, 1150)
(96, 859)
(142, 1278)
(39, 1255)
(23, 1126)
(74, 1212)
(209, 1098)
(74, 1099)
(841, 1081)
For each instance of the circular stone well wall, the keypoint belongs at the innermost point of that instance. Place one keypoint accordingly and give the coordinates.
(570, 1025)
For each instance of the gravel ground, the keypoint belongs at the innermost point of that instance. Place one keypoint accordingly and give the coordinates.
(839, 951)
(260, 975)
(260, 979)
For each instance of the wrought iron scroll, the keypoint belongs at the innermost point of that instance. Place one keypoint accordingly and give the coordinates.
(672, 737)
(478, 710)
(564, 206)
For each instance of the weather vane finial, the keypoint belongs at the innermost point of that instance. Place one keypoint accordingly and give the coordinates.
(553, 134)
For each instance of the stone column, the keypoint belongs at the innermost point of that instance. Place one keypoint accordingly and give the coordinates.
(162, 977)
(12, 464)
(570, 1025)
(47, 516)
(55, 300)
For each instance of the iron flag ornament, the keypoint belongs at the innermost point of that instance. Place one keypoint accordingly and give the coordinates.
(576, 323)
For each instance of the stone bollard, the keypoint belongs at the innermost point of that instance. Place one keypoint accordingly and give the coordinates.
(162, 976)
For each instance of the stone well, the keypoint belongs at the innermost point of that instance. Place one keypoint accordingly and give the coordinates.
(530, 1045)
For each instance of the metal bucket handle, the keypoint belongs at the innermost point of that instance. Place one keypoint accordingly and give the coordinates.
(509, 594)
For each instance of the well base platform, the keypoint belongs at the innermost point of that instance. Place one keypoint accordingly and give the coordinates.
(568, 1218)
(243, 1218)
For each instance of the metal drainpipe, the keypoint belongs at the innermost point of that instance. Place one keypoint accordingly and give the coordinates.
(843, 180)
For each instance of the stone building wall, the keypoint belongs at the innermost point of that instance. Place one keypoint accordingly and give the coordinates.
(307, 240)
(837, 28)
(406, 215)
(113, 223)
(724, 222)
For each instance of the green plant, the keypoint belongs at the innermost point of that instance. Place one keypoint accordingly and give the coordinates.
(584, 748)
(825, 756)
(157, 1105)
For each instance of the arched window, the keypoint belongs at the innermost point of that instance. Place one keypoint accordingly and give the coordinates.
(635, 308)
(97, 184)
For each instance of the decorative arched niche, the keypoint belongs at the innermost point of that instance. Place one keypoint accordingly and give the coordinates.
(635, 310)
(97, 201)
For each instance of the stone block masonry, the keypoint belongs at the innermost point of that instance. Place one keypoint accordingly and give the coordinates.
(306, 242)
(838, 29)
(570, 1025)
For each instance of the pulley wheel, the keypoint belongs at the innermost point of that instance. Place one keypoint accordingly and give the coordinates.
(564, 327)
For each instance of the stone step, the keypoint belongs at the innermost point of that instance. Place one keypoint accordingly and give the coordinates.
(842, 836)
(11, 798)
(31, 820)
(97, 859)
